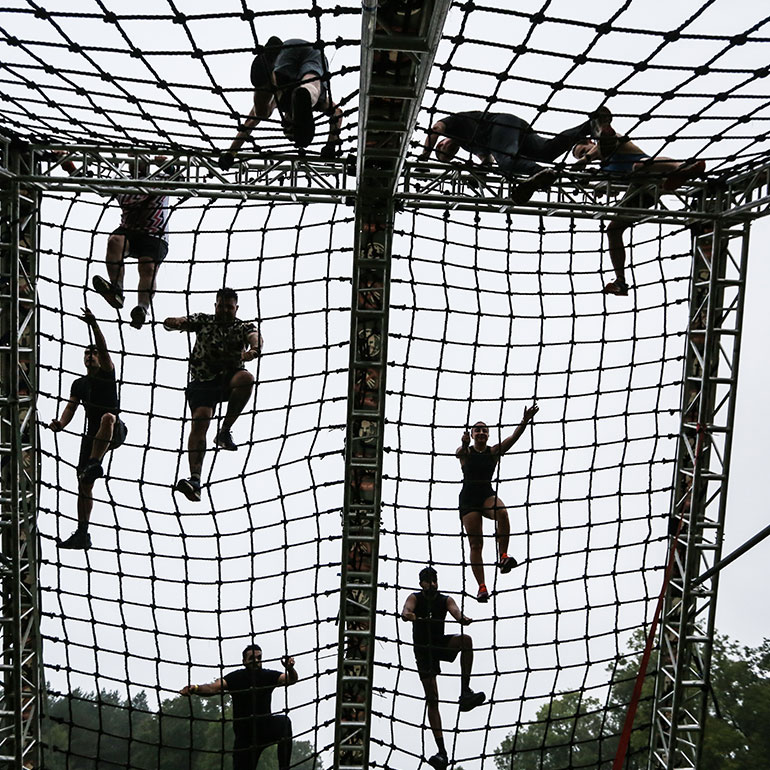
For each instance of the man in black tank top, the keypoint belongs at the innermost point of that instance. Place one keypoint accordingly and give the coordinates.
(427, 611)
(478, 498)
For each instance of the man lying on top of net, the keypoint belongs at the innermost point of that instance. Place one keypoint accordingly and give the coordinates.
(223, 343)
(98, 393)
(508, 140)
(292, 76)
(619, 155)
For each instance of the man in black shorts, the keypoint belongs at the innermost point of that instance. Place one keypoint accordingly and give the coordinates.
(223, 344)
(294, 77)
(98, 392)
(510, 141)
(427, 610)
(255, 727)
(143, 234)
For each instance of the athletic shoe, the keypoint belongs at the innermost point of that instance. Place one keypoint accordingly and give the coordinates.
(79, 540)
(112, 293)
(138, 316)
(469, 700)
(608, 142)
(483, 594)
(599, 118)
(190, 488)
(439, 761)
(542, 180)
(302, 117)
(507, 563)
(91, 472)
(617, 287)
(224, 439)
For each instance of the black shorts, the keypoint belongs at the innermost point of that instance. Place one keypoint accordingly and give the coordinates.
(143, 245)
(268, 730)
(119, 434)
(429, 659)
(473, 497)
(209, 392)
(294, 62)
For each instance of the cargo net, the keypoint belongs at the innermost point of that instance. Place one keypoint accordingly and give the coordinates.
(171, 591)
(490, 315)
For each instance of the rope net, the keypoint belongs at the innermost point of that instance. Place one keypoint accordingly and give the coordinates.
(488, 313)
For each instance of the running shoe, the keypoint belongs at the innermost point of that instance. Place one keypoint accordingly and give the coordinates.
(483, 594)
(112, 293)
(79, 540)
(91, 472)
(224, 440)
(469, 700)
(439, 761)
(599, 118)
(138, 316)
(507, 563)
(190, 488)
(542, 180)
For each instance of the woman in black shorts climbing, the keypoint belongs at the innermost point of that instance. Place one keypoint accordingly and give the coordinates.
(478, 499)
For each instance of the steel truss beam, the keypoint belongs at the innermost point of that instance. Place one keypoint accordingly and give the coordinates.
(398, 42)
(699, 499)
(20, 679)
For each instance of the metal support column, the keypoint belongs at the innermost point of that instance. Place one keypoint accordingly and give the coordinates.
(20, 680)
(700, 491)
(398, 43)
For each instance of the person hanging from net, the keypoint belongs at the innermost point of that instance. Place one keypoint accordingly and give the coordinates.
(254, 724)
(508, 140)
(104, 430)
(427, 610)
(619, 155)
(143, 235)
(292, 76)
(478, 499)
(223, 344)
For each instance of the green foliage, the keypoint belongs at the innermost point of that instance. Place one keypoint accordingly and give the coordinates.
(578, 732)
(87, 731)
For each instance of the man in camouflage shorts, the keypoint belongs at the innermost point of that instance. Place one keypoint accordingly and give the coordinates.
(223, 344)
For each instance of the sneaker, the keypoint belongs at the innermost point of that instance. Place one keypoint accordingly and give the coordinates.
(617, 287)
(91, 472)
(302, 117)
(469, 700)
(507, 563)
(79, 540)
(483, 594)
(190, 488)
(439, 761)
(599, 119)
(138, 316)
(112, 293)
(608, 142)
(540, 181)
(224, 439)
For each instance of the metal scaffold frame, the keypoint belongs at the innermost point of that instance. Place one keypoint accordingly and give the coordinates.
(397, 46)
(20, 669)
(720, 252)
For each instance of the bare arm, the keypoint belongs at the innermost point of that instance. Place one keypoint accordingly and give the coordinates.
(435, 132)
(408, 612)
(66, 416)
(105, 362)
(172, 324)
(462, 450)
(255, 346)
(290, 676)
(205, 690)
(506, 444)
(244, 131)
(455, 612)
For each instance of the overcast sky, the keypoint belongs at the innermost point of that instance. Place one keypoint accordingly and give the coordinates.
(485, 317)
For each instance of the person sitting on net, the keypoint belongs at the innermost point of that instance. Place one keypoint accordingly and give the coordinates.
(104, 430)
(508, 140)
(292, 76)
(427, 610)
(254, 724)
(223, 344)
(478, 499)
(619, 155)
(143, 235)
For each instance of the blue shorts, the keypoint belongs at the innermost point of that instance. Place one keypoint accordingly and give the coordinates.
(624, 164)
